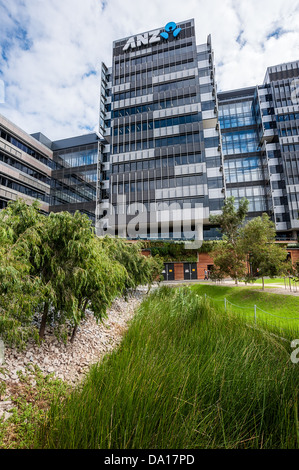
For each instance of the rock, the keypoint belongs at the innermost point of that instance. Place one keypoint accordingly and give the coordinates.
(70, 362)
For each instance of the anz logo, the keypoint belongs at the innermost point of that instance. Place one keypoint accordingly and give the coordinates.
(171, 28)
(153, 37)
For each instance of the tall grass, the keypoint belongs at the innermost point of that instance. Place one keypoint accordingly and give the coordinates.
(186, 376)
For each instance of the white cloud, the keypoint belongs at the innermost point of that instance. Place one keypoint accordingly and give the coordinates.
(51, 50)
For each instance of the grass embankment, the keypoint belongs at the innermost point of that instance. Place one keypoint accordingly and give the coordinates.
(186, 376)
(277, 312)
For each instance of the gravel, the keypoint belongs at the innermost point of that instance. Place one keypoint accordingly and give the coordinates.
(70, 362)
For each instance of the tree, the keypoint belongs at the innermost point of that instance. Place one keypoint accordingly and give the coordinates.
(21, 293)
(231, 219)
(141, 270)
(266, 257)
(77, 271)
(53, 268)
(229, 254)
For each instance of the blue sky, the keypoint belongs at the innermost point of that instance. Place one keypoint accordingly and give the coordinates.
(51, 51)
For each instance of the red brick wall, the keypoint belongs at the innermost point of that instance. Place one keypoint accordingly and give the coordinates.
(294, 255)
(204, 260)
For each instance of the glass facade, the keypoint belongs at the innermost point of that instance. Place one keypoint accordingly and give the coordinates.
(73, 185)
(245, 167)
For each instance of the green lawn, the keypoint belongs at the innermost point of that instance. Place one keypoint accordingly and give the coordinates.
(186, 376)
(279, 281)
(282, 310)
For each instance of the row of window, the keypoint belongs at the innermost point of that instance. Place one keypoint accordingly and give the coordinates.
(33, 153)
(24, 168)
(64, 195)
(157, 163)
(160, 142)
(154, 55)
(8, 183)
(240, 142)
(3, 204)
(177, 140)
(235, 109)
(175, 85)
(236, 115)
(212, 142)
(270, 125)
(280, 201)
(288, 117)
(240, 175)
(170, 204)
(86, 177)
(273, 154)
(154, 71)
(157, 124)
(133, 146)
(281, 103)
(163, 104)
(256, 203)
(156, 106)
(291, 168)
(78, 158)
(237, 121)
(165, 183)
(291, 148)
(283, 217)
(290, 131)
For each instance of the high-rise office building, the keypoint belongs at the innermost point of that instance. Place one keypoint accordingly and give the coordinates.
(162, 155)
(279, 109)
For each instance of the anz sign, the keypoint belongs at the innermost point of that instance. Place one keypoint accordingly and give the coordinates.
(153, 37)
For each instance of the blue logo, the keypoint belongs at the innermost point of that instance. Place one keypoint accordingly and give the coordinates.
(171, 28)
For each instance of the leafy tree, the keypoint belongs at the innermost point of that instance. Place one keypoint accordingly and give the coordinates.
(229, 254)
(216, 274)
(21, 293)
(141, 270)
(53, 268)
(229, 260)
(231, 219)
(267, 257)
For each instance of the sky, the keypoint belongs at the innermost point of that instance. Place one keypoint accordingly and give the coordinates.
(51, 50)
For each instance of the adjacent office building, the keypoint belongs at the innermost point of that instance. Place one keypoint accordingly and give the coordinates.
(25, 167)
(61, 175)
(170, 148)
